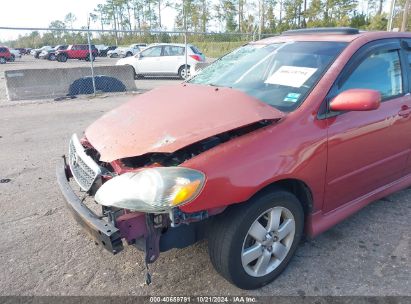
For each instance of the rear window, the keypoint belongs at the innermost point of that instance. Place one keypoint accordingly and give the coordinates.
(196, 50)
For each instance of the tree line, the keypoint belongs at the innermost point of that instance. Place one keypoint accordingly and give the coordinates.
(223, 16)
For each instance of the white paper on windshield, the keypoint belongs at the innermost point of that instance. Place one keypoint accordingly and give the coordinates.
(291, 76)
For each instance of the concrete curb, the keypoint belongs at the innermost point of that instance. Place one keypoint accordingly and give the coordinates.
(51, 83)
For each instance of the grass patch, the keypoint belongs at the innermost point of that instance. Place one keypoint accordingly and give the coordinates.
(217, 49)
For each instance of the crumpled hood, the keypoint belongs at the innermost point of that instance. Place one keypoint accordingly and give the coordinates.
(172, 117)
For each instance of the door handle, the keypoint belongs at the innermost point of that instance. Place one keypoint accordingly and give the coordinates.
(405, 111)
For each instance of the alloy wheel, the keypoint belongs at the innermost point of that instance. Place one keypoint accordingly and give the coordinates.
(268, 241)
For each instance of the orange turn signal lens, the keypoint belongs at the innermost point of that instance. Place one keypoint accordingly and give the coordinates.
(185, 192)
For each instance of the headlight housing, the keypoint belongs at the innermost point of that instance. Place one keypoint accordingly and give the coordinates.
(152, 190)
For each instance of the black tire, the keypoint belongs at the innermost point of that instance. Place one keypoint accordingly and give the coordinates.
(129, 54)
(228, 233)
(12, 58)
(181, 72)
(62, 58)
(92, 57)
(3, 60)
(52, 57)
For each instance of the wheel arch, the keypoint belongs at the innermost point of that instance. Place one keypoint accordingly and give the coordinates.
(295, 186)
(181, 66)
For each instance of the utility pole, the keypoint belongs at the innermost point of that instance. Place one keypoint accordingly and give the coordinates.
(90, 55)
(261, 15)
(405, 16)
(185, 40)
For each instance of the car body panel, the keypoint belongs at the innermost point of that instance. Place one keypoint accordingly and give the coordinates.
(358, 160)
(145, 125)
(244, 166)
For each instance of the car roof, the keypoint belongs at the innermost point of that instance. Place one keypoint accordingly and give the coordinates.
(172, 44)
(333, 37)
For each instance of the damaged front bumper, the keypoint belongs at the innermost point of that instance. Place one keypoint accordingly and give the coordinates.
(103, 232)
(151, 233)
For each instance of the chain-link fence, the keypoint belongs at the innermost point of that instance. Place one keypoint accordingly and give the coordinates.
(63, 63)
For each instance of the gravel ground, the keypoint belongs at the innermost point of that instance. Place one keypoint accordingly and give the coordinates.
(44, 252)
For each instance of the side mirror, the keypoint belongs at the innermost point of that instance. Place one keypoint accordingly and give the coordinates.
(356, 100)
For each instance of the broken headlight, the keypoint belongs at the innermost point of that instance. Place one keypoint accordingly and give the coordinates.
(151, 190)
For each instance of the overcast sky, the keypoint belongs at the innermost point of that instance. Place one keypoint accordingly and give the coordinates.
(39, 13)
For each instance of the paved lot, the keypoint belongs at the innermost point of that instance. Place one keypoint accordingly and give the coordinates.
(29, 62)
(44, 252)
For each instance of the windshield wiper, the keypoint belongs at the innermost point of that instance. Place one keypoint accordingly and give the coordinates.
(218, 86)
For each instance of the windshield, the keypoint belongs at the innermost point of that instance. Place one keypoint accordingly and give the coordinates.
(279, 74)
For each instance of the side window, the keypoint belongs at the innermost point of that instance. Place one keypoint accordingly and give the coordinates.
(408, 52)
(171, 50)
(152, 52)
(380, 71)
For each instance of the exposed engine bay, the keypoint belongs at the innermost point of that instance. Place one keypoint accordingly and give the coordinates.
(178, 157)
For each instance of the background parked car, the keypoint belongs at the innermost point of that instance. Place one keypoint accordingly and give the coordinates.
(22, 51)
(100, 47)
(36, 52)
(131, 49)
(51, 54)
(5, 54)
(164, 59)
(77, 51)
(14, 54)
(103, 52)
(113, 53)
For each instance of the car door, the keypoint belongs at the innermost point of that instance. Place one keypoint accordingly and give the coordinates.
(369, 149)
(74, 52)
(171, 59)
(83, 51)
(406, 47)
(148, 62)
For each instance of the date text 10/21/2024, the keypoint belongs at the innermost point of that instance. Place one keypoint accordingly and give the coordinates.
(203, 299)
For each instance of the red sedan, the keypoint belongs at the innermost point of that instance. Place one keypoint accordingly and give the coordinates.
(282, 137)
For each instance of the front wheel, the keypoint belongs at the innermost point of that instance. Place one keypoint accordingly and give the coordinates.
(251, 244)
(90, 56)
(3, 60)
(129, 54)
(52, 57)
